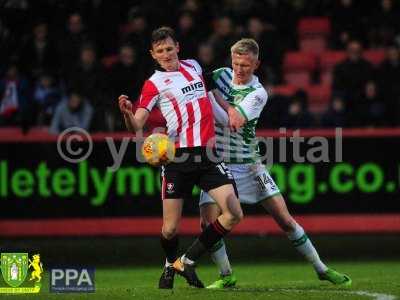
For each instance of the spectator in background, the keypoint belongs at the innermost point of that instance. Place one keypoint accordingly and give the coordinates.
(72, 42)
(200, 10)
(126, 77)
(389, 76)
(206, 57)
(7, 43)
(267, 38)
(75, 111)
(136, 34)
(346, 23)
(127, 74)
(191, 5)
(336, 115)
(384, 25)
(103, 19)
(370, 108)
(14, 95)
(351, 75)
(187, 35)
(46, 96)
(89, 77)
(39, 53)
(298, 115)
(222, 38)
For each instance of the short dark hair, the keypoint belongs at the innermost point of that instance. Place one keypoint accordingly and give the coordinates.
(161, 34)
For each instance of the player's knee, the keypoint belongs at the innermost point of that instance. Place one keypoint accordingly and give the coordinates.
(169, 231)
(239, 216)
(205, 221)
(234, 217)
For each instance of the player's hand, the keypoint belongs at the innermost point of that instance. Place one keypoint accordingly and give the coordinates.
(125, 105)
(236, 120)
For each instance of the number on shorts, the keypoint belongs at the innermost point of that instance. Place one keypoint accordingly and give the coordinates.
(263, 180)
(224, 170)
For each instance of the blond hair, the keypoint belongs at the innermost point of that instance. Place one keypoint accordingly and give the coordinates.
(246, 46)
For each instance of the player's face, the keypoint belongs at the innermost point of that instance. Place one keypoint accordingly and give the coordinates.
(243, 66)
(165, 52)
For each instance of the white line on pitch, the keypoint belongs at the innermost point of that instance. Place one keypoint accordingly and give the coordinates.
(375, 296)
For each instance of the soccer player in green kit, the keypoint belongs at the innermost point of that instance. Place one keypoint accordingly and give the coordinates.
(241, 89)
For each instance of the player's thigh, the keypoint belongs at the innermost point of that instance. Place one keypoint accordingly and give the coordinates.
(217, 181)
(277, 208)
(225, 197)
(248, 189)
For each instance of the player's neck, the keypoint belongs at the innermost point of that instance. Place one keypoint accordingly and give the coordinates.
(173, 67)
(236, 81)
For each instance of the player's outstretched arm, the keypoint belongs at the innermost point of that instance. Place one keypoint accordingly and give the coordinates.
(133, 122)
(236, 120)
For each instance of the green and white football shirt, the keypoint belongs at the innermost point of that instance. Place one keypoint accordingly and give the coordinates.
(249, 100)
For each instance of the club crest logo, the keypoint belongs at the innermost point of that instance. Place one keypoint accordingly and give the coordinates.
(170, 188)
(15, 267)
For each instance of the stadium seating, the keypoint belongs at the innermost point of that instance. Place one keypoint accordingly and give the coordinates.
(318, 97)
(327, 61)
(284, 90)
(375, 56)
(298, 68)
(313, 33)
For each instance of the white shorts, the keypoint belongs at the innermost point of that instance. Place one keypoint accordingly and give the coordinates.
(253, 183)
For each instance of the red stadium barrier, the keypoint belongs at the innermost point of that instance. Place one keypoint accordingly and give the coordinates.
(254, 225)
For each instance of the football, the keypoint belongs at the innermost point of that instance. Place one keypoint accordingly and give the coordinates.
(158, 149)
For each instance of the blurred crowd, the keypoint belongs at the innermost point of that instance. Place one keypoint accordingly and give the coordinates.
(64, 63)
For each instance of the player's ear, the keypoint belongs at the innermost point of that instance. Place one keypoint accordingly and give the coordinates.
(152, 53)
(177, 47)
(257, 64)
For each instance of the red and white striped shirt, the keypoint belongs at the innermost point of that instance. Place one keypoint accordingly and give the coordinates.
(182, 99)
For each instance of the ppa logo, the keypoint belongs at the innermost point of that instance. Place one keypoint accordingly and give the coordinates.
(72, 280)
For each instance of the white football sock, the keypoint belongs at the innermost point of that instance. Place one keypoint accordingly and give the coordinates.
(186, 260)
(220, 258)
(303, 244)
(168, 264)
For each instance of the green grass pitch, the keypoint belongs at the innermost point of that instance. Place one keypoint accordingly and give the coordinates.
(371, 280)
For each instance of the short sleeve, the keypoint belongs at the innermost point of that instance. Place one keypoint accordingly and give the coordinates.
(194, 64)
(149, 96)
(253, 104)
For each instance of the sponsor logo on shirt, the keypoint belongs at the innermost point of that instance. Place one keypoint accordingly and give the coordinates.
(197, 86)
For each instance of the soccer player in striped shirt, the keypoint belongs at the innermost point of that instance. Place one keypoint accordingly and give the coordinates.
(239, 149)
(177, 88)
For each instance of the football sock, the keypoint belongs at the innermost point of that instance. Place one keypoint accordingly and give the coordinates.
(220, 258)
(168, 264)
(170, 248)
(207, 239)
(303, 244)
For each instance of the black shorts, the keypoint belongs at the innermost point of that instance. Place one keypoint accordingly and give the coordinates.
(179, 178)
